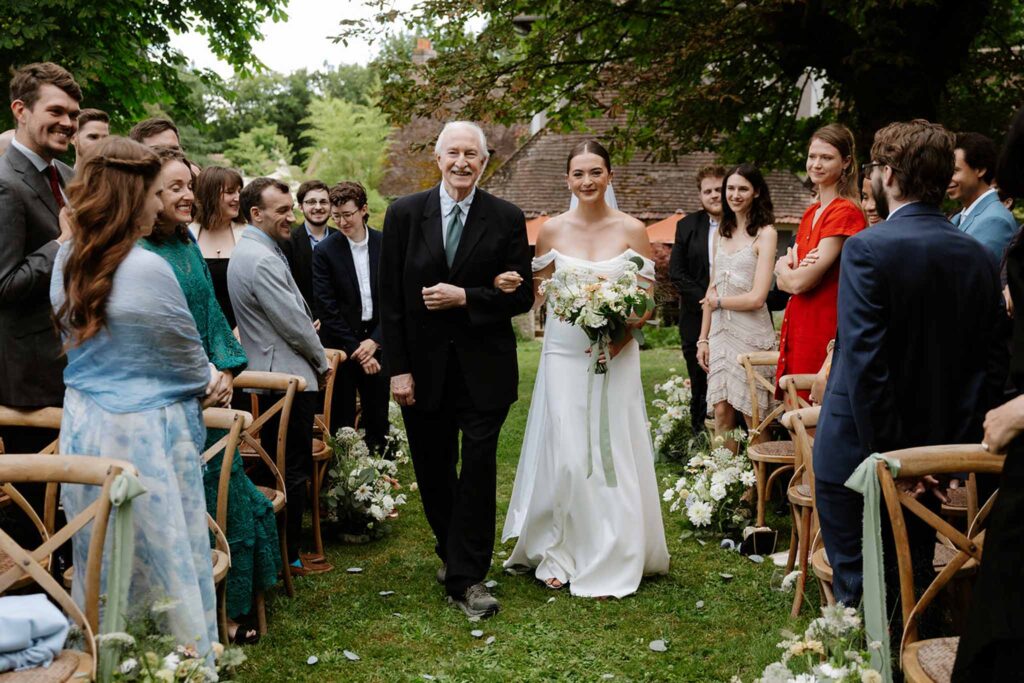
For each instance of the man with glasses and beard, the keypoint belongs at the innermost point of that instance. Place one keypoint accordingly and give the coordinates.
(315, 202)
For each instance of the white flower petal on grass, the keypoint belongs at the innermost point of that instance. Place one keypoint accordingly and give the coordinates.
(313, 659)
(351, 656)
(476, 633)
(658, 646)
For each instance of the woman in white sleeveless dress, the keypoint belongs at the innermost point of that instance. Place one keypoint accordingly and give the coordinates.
(574, 529)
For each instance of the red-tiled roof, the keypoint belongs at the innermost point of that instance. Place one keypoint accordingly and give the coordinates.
(664, 231)
(534, 179)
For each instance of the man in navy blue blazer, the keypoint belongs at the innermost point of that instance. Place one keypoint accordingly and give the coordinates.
(917, 356)
(983, 216)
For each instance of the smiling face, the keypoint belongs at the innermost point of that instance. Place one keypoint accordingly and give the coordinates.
(967, 183)
(461, 161)
(275, 214)
(867, 202)
(316, 207)
(177, 197)
(825, 164)
(711, 195)
(88, 136)
(47, 127)
(588, 177)
(739, 193)
(350, 219)
(229, 201)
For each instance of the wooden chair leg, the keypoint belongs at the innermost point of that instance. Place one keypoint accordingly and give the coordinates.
(261, 612)
(759, 473)
(804, 555)
(222, 612)
(282, 535)
(794, 540)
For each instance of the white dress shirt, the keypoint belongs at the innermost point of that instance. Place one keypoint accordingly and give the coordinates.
(447, 206)
(712, 232)
(361, 259)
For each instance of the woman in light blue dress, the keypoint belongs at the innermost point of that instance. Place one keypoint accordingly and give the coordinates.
(136, 379)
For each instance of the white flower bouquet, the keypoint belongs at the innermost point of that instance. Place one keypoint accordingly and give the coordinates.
(833, 649)
(710, 492)
(597, 304)
(673, 433)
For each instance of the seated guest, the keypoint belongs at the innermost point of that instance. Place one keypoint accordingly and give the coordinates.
(345, 290)
(276, 328)
(93, 126)
(902, 375)
(983, 216)
(315, 203)
(137, 379)
(216, 228)
(251, 528)
(156, 132)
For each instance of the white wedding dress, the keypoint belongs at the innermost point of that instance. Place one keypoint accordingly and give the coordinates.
(599, 539)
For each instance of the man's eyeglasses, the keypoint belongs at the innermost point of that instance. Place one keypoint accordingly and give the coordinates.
(346, 214)
(870, 167)
(326, 203)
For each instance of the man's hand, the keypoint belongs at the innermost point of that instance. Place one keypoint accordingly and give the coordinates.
(443, 296)
(917, 487)
(321, 380)
(316, 324)
(508, 282)
(64, 219)
(1009, 300)
(371, 366)
(1003, 424)
(403, 389)
(365, 351)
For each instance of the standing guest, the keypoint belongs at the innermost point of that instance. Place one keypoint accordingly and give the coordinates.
(93, 126)
(44, 102)
(736, 319)
(345, 267)
(156, 132)
(689, 268)
(983, 216)
(315, 202)
(277, 332)
(216, 228)
(901, 374)
(451, 351)
(135, 378)
(251, 529)
(810, 319)
(867, 200)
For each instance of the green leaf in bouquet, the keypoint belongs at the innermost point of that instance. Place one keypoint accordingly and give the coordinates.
(639, 262)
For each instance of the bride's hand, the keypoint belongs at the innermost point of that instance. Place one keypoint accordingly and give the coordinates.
(508, 282)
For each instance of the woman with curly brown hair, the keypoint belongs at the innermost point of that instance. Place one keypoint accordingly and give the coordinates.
(137, 378)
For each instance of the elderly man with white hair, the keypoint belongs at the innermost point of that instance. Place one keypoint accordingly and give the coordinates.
(451, 352)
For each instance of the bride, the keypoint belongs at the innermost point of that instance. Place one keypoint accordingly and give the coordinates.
(574, 529)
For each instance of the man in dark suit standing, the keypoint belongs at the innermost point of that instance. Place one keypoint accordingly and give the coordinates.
(689, 269)
(451, 351)
(314, 200)
(345, 292)
(917, 356)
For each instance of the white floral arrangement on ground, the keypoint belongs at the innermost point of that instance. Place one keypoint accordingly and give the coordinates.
(361, 491)
(833, 649)
(710, 492)
(673, 433)
(598, 304)
(149, 657)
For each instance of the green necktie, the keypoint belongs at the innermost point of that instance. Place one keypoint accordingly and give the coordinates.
(452, 235)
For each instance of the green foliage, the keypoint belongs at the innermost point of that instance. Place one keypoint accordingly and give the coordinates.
(661, 337)
(347, 141)
(259, 151)
(722, 76)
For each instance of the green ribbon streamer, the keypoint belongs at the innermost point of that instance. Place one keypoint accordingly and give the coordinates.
(125, 487)
(604, 433)
(864, 481)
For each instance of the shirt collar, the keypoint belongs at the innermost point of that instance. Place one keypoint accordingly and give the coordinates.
(967, 211)
(448, 204)
(898, 209)
(37, 161)
(364, 242)
(313, 238)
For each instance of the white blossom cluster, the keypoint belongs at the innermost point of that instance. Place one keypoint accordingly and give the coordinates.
(140, 659)
(710, 490)
(674, 402)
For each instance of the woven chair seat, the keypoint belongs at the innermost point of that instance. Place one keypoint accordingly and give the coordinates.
(321, 451)
(800, 495)
(6, 563)
(275, 497)
(62, 669)
(933, 658)
(944, 554)
(772, 451)
(957, 505)
(821, 566)
(221, 564)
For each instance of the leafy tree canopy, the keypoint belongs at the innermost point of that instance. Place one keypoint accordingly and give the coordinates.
(259, 151)
(723, 75)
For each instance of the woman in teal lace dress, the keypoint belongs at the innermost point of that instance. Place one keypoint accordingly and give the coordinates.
(251, 528)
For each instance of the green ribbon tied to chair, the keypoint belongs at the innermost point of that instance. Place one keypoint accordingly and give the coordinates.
(604, 434)
(125, 487)
(864, 481)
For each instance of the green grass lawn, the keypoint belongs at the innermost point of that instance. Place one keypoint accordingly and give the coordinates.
(540, 635)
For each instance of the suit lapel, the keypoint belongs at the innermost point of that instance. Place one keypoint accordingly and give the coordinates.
(431, 226)
(374, 258)
(349, 261)
(472, 231)
(703, 231)
(32, 177)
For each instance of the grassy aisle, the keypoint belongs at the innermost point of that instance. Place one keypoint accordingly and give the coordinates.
(403, 636)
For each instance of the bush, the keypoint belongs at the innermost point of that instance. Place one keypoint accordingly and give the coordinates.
(661, 337)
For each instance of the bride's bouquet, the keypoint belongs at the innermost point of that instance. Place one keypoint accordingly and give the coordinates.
(599, 305)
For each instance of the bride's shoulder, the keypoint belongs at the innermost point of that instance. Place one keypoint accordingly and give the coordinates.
(630, 224)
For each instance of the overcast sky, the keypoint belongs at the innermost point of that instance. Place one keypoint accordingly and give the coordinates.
(301, 41)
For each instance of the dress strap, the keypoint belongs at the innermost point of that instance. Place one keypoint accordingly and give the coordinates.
(543, 261)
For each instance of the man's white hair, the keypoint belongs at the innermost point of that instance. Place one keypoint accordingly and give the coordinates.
(469, 125)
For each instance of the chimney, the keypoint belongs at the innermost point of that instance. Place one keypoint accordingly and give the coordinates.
(423, 52)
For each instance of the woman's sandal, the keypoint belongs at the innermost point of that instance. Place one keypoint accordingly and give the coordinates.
(554, 584)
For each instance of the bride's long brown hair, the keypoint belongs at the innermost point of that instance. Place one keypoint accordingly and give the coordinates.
(107, 196)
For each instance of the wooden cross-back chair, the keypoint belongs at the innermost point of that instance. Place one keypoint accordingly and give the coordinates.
(932, 660)
(322, 453)
(764, 453)
(61, 469)
(253, 448)
(800, 493)
(234, 421)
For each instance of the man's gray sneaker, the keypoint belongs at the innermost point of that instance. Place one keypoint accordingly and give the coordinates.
(477, 602)
(442, 572)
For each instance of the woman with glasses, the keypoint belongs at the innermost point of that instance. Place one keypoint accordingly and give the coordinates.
(810, 268)
(216, 228)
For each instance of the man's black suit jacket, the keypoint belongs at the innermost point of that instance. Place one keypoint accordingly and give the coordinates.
(336, 292)
(31, 359)
(478, 335)
(689, 271)
(299, 252)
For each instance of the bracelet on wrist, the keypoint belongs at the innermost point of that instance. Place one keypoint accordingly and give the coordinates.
(703, 341)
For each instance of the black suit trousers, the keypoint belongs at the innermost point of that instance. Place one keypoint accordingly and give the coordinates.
(459, 502)
(689, 333)
(374, 394)
(298, 460)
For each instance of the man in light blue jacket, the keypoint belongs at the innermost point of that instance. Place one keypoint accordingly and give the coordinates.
(983, 216)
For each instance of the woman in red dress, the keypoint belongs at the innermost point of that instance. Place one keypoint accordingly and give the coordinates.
(810, 269)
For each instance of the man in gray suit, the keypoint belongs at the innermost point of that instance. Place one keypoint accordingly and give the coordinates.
(278, 334)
